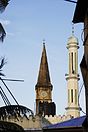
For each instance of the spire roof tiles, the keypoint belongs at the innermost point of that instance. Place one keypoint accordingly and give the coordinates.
(44, 77)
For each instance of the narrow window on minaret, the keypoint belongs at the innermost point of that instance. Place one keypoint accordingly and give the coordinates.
(75, 96)
(72, 95)
(75, 64)
(72, 62)
(69, 63)
(68, 96)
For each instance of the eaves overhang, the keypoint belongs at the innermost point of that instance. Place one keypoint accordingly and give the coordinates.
(80, 11)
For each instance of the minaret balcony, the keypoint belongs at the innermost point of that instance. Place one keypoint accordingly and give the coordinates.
(72, 46)
(72, 76)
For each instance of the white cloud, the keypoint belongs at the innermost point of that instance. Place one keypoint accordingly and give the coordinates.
(5, 22)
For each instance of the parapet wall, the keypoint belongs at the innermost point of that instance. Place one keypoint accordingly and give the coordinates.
(26, 123)
(36, 122)
(57, 118)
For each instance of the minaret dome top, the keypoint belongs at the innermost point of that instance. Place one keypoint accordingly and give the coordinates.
(72, 41)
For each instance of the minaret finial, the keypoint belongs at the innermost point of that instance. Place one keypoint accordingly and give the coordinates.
(72, 28)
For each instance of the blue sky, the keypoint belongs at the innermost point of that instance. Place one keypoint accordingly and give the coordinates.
(27, 24)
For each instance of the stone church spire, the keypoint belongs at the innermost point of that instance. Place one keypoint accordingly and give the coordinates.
(44, 104)
(43, 77)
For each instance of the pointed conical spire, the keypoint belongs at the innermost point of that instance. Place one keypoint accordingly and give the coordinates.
(44, 77)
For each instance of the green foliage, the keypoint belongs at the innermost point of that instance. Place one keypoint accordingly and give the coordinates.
(3, 4)
(2, 33)
(3, 62)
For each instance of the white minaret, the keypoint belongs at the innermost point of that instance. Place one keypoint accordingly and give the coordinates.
(72, 78)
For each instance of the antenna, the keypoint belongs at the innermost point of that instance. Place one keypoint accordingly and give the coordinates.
(9, 91)
(4, 97)
(13, 80)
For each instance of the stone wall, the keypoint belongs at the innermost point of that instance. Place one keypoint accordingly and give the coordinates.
(57, 118)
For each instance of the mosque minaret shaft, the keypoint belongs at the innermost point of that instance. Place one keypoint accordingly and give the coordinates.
(72, 78)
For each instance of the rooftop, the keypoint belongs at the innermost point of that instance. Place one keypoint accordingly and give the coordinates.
(75, 122)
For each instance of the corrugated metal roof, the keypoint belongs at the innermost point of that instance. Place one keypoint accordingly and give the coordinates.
(75, 122)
